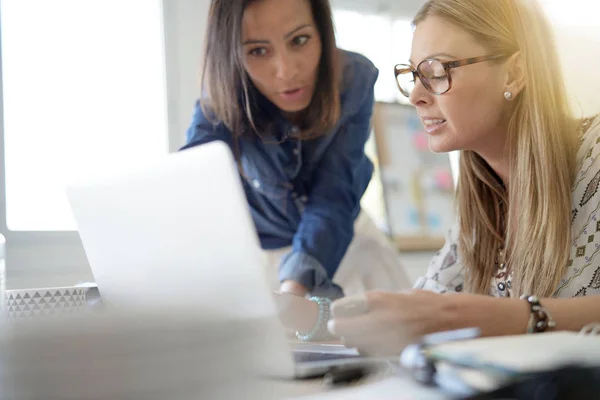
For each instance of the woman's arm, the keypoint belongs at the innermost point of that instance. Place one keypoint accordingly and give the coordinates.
(498, 317)
(393, 320)
(327, 225)
(575, 313)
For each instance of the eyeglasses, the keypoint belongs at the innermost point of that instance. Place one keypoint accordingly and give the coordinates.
(433, 73)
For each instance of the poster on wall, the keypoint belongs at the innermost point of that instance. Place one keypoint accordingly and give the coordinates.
(417, 184)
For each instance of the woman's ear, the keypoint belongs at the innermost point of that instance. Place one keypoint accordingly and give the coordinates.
(515, 75)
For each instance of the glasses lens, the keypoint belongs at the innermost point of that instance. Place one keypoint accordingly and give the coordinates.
(405, 79)
(434, 76)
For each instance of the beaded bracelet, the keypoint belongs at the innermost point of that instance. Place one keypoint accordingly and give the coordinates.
(540, 319)
(319, 331)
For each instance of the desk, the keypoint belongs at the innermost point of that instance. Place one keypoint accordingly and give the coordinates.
(74, 349)
(396, 386)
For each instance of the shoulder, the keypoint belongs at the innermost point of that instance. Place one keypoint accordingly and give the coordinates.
(585, 204)
(356, 65)
(359, 75)
(589, 142)
(588, 132)
(587, 179)
(204, 116)
(205, 127)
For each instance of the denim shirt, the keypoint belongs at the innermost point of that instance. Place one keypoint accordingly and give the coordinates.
(306, 193)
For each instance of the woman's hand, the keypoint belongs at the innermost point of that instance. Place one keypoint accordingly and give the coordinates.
(383, 323)
(296, 313)
(293, 287)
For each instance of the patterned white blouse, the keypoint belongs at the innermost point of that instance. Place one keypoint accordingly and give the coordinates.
(445, 272)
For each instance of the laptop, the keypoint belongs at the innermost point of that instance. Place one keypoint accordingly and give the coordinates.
(177, 234)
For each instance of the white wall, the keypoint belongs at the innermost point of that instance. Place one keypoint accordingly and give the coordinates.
(400, 8)
(185, 23)
(579, 51)
(42, 260)
(577, 24)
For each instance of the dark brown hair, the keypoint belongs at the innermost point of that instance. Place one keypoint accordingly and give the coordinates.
(232, 98)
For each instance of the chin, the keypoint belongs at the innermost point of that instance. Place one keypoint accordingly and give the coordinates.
(440, 146)
(292, 108)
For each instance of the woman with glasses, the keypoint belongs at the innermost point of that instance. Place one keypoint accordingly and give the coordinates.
(485, 78)
(296, 113)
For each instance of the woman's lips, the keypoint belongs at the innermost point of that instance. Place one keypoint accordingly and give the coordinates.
(433, 125)
(293, 94)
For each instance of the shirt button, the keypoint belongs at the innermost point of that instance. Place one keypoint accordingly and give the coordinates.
(296, 152)
(304, 199)
(295, 130)
(256, 183)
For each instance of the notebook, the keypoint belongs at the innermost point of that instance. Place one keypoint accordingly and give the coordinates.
(487, 363)
(484, 364)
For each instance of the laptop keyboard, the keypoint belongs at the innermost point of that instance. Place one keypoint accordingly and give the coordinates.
(310, 356)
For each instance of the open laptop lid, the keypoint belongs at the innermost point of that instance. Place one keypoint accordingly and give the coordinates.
(177, 234)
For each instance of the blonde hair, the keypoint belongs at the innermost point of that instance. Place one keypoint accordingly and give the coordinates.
(531, 218)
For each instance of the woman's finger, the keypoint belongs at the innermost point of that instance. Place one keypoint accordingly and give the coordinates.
(350, 306)
(382, 344)
(350, 326)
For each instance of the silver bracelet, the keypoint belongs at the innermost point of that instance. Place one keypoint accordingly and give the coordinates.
(319, 331)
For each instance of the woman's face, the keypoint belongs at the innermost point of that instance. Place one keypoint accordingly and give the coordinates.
(472, 114)
(282, 51)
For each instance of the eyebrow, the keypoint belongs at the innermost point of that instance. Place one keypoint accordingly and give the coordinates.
(286, 36)
(435, 55)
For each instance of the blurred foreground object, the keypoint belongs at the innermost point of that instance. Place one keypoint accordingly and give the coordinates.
(134, 356)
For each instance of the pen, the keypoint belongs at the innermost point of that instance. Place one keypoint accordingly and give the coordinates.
(345, 375)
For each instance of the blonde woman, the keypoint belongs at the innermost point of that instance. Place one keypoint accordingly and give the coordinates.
(484, 77)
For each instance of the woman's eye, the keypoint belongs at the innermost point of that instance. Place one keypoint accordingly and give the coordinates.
(300, 40)
(258, 52)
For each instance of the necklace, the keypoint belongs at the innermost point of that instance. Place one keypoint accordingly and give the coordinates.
(502, 281)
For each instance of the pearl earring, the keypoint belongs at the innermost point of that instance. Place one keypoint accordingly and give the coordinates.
(508, 95)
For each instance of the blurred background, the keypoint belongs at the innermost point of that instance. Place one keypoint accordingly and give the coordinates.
(90, 85)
